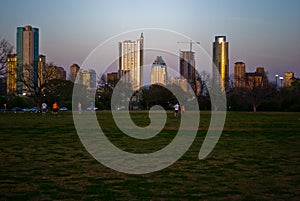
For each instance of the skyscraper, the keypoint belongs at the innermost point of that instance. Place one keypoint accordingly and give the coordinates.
(11, 74)
(239, 74)
(181, 82)
(288, 78)
(41, 69)
(27, 57)
(221, 61)
(54, 72)
(112, 79)
(187, 67)
(74, 69)
(257, 78)
(87, 78)
(131, 60)
(159, 71)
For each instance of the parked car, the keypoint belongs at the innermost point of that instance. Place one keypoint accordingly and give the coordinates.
(16, 109)
(121, 108)
(63, 109)
(90, 108)
(34, 109)
(26, 109)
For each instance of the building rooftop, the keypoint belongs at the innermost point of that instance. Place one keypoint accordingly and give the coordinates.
(159, 61)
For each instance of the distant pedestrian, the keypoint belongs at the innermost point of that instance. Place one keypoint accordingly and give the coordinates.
(182, 109)
(92, 108)
(55, 108)
(44, 108)
(176, 108)
(79, 107)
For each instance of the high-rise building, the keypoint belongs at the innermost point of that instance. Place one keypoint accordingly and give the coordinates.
(112, 78)
(41, 69)
(131, 60)
(221, 61)
(181, 82)
(187, 67)
(87, 78)
(11, 82)
(239, 74)
(74, 69)
(54, 72)
(61, 73)
(257, 78)
(159, 71)
(288, 79)
(27, 57)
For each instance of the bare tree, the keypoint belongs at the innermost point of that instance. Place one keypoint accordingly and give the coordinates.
(34, 81)
(5, 49)
(255, 89)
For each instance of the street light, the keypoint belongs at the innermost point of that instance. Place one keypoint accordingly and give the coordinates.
(276, 80)
(281, 79)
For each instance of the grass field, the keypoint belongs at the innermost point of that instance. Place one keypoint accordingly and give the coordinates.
(257, 158)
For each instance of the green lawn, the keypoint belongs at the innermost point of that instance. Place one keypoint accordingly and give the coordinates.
(257, 158)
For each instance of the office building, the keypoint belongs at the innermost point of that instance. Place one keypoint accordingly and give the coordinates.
(239, 74)
(27, 58)
(131, 61)
(11, 82)
(257, 78)
(181, 82)
(221, 61)
(61, 73)
(41, 69)
(55, 72)
(87, 78)
(159, 71)
(112, 78)
(288, 79)
(187, 67)
(74, 69)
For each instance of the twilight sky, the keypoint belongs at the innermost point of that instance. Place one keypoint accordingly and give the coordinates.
(260, 33)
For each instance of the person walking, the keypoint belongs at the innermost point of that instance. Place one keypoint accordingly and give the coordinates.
(55, 108)
(176, 108)
(44, 108)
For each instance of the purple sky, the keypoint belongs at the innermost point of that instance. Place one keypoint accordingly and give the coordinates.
(260, 33)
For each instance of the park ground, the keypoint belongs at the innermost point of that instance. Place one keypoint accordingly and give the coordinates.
(256, 158)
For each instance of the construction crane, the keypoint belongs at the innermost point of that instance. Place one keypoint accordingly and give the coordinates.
(190, 42)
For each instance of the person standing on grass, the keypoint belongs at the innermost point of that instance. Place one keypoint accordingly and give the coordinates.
(182, 109)
(55, 108)
(79, 107)
(44, 108)
(176, 108)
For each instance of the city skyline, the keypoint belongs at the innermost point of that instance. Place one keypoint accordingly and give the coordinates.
(260, 33)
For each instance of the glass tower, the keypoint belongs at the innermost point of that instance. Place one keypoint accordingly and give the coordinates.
(187, 67)
(27, 58)
(221, 61)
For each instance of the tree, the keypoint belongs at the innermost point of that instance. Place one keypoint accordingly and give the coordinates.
(158, 95)
(5, 49)
(59, 91)
(255, 90)
(290, 97)
(34, 81)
